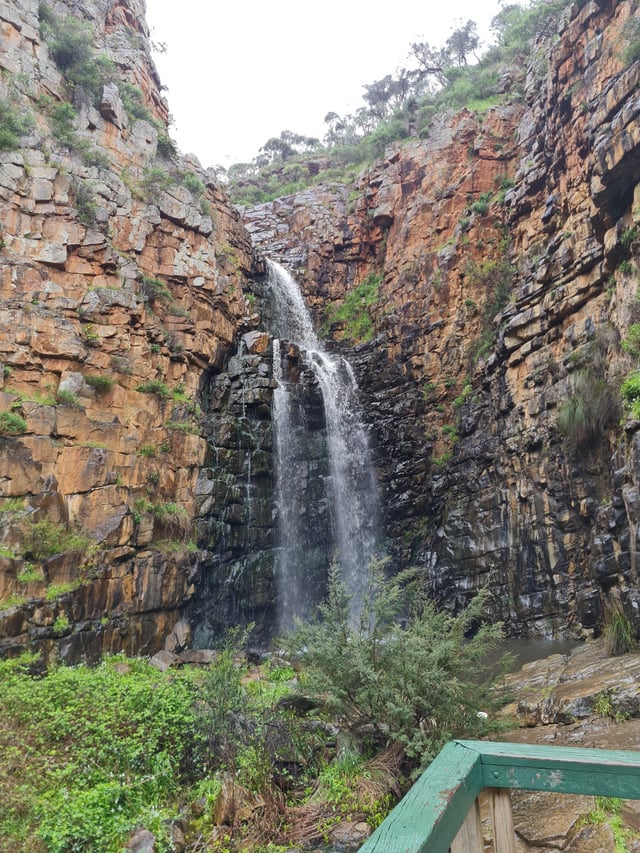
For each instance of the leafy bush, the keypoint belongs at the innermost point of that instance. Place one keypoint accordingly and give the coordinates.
(67, 398)
(107, 747)
(62, 117)
(618, 633)
(584, 416)
(355, 311)
(153, 288)
(631, 33)
(631, 344)
(405, 672)
(630, 391)
(154, 182)
(132, 100)
(193, 183)
(70, 43)
(45, 538)
(86, 204)
(167, 148)
(155, 386)
(12, 424)
(100, 383)
(14, 123)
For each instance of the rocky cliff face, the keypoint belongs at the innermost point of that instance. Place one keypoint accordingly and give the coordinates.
(122, 274)
(505, 250)
(136, 483)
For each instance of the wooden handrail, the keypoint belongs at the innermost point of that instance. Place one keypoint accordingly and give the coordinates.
(441, 803)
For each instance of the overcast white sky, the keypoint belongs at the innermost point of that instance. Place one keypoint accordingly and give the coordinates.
(240, 71)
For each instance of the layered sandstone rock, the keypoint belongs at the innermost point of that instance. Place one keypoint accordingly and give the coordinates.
(120, 289)
(524, 214)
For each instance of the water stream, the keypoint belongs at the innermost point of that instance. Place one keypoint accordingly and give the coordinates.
(348, 481)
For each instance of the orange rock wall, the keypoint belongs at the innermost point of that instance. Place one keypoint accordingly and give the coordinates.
(480, 484)
(107, 284)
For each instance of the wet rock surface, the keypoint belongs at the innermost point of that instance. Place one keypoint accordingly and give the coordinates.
(604, 698)
(465, 390)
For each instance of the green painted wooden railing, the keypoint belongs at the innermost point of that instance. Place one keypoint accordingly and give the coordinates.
(429, 817)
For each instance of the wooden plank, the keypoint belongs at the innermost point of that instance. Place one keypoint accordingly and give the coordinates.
(504, 837)
(469, 838)
(565, 770)
(429, 816)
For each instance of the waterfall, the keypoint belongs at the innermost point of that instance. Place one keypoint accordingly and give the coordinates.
(348, 485)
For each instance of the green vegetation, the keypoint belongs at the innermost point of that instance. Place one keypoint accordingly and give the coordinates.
(402, 105)
(193, 183)
(187, 427)
(12, 423)
(591, 407)
(618, 633)
(155, 386)
(133, 101)
(14, 123)
(100, 383)
(155, 181)
(495, 277)
(630, 391)
(70, 42)
(86, 204)
(90, 754)
(631, 344)
(67, 398)
(608, 810)
(355, 311)
(154, 288)
(30, 574)
(415, 683)
(45, 538)
(631, 34)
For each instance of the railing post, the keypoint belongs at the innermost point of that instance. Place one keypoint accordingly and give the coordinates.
(469, 837)
(504, 839)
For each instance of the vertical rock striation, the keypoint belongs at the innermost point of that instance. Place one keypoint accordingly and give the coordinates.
(121, 287)
(508, 279)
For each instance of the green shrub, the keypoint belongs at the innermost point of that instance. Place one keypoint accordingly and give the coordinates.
(101, 383)
(154, 181)
(62, 117)
(70, 42)
(61, 624)
(193, 183)
(153, 288)
(355, 311)
(631, 33)
(44, 539)
(86, 204)
(67, 398)
(631, 344)
(155, 386)
(618, 633)
(167, 148)
(14, 123)
(404, 672)
(12, 424)
(147, 450)
(107, 747)
(29, 574)
(132, 100)
(592, 406)
(630, 391)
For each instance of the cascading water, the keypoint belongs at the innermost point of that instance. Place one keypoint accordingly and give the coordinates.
(349, 483)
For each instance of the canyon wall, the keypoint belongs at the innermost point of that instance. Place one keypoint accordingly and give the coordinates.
(136, 436)
(505, 247)
(121, 286)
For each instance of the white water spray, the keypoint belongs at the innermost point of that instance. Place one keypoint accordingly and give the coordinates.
(350, 487)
